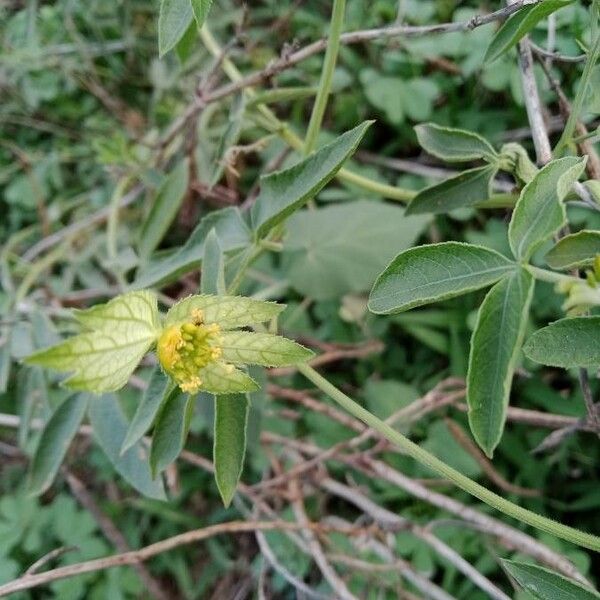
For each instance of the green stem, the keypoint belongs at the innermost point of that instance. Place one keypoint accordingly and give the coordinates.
(564, 532)
(592, 59)
(333, 46)
(551, 276)
(272, 123)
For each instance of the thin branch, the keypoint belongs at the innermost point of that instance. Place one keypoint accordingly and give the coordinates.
(593, 418)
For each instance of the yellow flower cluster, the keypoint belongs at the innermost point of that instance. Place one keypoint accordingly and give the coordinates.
(185, 349)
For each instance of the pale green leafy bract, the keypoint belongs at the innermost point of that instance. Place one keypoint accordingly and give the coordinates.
(567, 343)
(244, 347)
(575, 250)
(174, 18)
(286, 191)
(436, 272)
(102, 360)
(218, 378)
(229, 312)
(231, 422)
(540, 210)
(495, 346)
(519, 25)
(454, 145)
(54, 442)
(544, 584)
(465, 189)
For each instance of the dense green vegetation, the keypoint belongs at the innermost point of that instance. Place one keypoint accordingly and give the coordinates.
(415, 183)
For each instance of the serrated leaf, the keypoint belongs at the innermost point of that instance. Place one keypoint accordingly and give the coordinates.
(245, 347)
(495, 346)
(454, 145)
(170, 430)
(157, 391)
(103, 360)
(540, 211)
(331, 251)
(519, 25)
(218, 378)
(544, 584)
(212, 280)
(110, 427)
(231, 422)
(228, 312)
(201, 9)
(55, 441)
(229, 226)
(286, 191)
(174, 19)
(465, 189)
(575, 250)
(165, 207)
(436, 272)
(567, 343)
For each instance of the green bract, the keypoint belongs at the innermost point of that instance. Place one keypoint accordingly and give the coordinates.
(195, 344)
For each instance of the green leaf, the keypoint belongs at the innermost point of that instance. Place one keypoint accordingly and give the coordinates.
(575, 250)
(231, 421)
(436, 272)
(201, 9)
(454, 145)
(213, 266)
(218, 378)
(245, 347)
(332, 251)
(55, 441)
(170, 430)
(102, 360)
(465, 189)
(110, 428)
(286, 191)
(164, 208)
(566, 343)
(519, 25)
(232, 231)
(157, 391)
(228, 311)
(495, 346)
(544, 584)
(174, 19)
(540, 211)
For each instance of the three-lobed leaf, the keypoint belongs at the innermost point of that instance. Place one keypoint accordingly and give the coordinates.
(567, 343)
(436, 272)
(454, 145)
(519, 25)
(495, 346)
(540, 210)
(465, 189)
(244, 347)
(286, 191)
(544, 584)
(231, 423)
(229, 312)
(110, 428)
(103, 359)
(55, 441)
(575, 250)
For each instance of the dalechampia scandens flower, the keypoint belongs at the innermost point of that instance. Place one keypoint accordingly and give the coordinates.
(199, 343)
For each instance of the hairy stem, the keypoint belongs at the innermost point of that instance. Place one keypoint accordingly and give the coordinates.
(540, 522)
(333, 46)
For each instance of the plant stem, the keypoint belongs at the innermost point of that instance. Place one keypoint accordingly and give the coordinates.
(590, 63)
(551, 276)
(283, 130)
(540, 522)
(333, 46)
